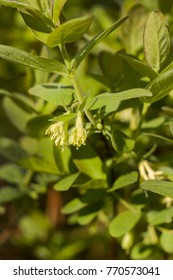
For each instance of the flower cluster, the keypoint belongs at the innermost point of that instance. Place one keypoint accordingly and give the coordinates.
(59, 133)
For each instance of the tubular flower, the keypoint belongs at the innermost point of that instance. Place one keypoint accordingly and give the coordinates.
(78, 134)
(59, 133)
(147, 173)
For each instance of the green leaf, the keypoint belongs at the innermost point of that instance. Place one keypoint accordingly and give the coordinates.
(88, 162)
(82, 53)
(88, 213)
(39, 165)
(17, 116)
(9, 193)
(57, 8)
(35, 23)
(31, 60)
(159, 217)
(160, 187)
(54, 93)
(166, 241)
(156, 40)
(11, 173)
(154, 123)
(121, 143)
(160, 86)
(66, 183)
(111, 101)
(15, 4)
(124, 180)
(64, 118)
(69, 31)
(123, 223)
(93, 184)
(10, 149)
(139, 66)
(73, 206)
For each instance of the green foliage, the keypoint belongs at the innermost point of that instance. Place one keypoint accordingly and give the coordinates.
(86, 129)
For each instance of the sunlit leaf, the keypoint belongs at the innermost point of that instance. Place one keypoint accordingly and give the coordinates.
(123, 222)
(54, 93)
(124, 180)
(111, 101)
(66, 183)
(156, 40)
(69, 31)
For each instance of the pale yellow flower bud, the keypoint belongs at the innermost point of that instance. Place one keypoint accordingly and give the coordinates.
(78, 134)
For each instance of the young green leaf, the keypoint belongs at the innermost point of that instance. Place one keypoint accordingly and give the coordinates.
(95, 41)
(69, 31)
(160, 187)
(31, 60)
(156, 40)
(123, 223)
(54, 93)
(160, 86)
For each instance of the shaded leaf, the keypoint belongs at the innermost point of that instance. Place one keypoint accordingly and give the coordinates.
(11, 173)
(9, 193)
(160, 187)
(139, 66)
(39, 165)
(124, 180)
(10, 149)
(121, 143)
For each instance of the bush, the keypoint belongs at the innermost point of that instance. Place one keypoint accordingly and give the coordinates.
(86, 135)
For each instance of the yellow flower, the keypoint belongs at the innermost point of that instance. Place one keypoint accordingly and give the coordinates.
(78, 134)
(59, 133)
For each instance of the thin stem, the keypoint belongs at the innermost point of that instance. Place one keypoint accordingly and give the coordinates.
(72, 76)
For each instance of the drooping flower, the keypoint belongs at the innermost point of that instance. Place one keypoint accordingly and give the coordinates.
(78, 134)
(59, 133)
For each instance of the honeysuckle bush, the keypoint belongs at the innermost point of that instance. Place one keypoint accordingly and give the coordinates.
(86, 138)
